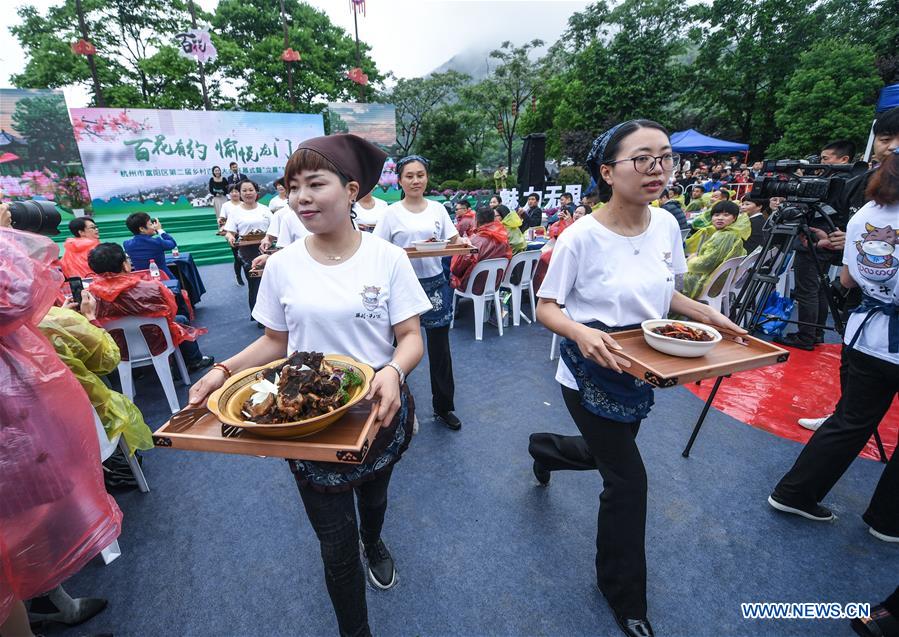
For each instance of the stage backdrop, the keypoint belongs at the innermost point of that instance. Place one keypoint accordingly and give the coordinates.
(373, 122)
(138, 154)
(38, 154)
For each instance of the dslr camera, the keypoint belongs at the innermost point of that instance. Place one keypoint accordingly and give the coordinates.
(39, 217)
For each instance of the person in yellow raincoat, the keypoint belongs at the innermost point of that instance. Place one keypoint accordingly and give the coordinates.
(713, 245)
(512, 222)
(89, 352)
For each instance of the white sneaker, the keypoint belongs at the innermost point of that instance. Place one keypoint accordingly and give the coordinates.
(812, 424)
(883, 536)
(415, 425)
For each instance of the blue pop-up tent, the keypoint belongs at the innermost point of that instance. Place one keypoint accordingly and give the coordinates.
(691, 141)
(889, 98)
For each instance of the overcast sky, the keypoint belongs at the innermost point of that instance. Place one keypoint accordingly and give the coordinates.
(408, 37)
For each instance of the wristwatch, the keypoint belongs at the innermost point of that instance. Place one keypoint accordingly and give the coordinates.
(399, 370)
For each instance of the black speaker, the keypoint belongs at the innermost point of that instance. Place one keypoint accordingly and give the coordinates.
(531, 170)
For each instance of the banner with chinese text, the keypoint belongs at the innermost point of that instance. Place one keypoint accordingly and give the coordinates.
(139, 154)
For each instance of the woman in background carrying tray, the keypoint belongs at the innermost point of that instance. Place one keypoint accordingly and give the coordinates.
(612, 270)
(346, 292)
(415, 218)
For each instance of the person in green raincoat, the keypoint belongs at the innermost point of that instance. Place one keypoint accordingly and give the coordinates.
(713, 245)
(512, 222)
(89, 352)
(704, 220)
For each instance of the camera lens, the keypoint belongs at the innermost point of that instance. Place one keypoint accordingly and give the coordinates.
(39, 217)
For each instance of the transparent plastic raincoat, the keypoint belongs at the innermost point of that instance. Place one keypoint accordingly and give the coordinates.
(711, 248)
(55, 514)
(89, 351)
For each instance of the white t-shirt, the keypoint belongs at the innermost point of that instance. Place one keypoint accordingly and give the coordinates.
(370, 217)
(595, 274)
(349, 308)
(288, 227)
(873, 260)
(276, 203)
(401, 227)
(226, 209)
(242, 221)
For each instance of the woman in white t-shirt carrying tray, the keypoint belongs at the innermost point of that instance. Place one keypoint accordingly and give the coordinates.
(871, 357)
(346, 292)
(613, 269)
(249, 216)
(415, 218)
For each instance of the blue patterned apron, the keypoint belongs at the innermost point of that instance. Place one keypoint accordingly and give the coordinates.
(441, 297)
(605, 392)
(871, 306)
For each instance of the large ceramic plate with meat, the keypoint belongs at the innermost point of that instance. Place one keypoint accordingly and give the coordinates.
(292, 397)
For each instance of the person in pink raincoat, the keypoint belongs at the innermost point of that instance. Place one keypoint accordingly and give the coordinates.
(55, 514)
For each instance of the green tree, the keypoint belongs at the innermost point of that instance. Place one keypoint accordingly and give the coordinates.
(746, 51)
(136, 61)
(505, 93)
(44, 122)
(442, 141)
(829, 96)
(250, 41)
(416, 99)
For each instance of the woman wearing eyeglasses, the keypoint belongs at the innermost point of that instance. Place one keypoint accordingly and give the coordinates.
(612, 271)
(415, 218)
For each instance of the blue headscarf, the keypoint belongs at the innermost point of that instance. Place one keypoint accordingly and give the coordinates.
(597, 155)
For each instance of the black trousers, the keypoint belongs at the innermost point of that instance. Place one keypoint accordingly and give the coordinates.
(246, 255)
(868, 390)
(238, 265)
(440, 366)
(333, 516)
(809, 294)
(611, 447)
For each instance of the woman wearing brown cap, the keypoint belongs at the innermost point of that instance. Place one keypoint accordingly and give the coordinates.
(344, 291)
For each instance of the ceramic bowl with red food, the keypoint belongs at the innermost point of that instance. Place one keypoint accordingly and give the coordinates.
(680, 338)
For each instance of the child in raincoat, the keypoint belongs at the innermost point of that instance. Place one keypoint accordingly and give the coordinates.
(513, 222)
(713, 245)
(90, 352)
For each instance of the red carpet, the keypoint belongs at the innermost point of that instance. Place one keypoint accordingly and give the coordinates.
(806, 386)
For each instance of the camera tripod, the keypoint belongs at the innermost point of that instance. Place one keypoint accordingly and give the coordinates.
(782, 229)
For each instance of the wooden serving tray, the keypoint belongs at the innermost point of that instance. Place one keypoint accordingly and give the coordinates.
(347, 440)
(446, 252)
(664, 370)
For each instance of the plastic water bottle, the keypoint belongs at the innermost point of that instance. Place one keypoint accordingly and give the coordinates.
(154, 269)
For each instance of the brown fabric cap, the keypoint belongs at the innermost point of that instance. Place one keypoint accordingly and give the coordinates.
(357, 159)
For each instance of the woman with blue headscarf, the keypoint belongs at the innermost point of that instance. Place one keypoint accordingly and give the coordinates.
(612, 270)
(415, 218)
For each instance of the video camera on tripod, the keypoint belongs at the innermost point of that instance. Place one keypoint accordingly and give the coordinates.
(812, 194)
(809, 189)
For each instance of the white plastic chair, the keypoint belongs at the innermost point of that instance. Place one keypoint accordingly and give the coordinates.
(107, 448)
(139, 355)
(529, 260)
(717, 287)
(492, 268)
(739, 280)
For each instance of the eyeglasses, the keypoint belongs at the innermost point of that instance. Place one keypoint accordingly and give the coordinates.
(645, 164)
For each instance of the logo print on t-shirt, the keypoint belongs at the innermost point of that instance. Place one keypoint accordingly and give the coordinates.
(370, 294)
(875, 253)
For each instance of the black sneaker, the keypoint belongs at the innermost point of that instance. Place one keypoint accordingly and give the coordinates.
(379, 565)
(541, 473)
(203, 363)
(449, 419)
(791, 340)
(817, 513)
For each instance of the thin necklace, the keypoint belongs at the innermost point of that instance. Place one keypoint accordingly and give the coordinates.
(636, 247)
